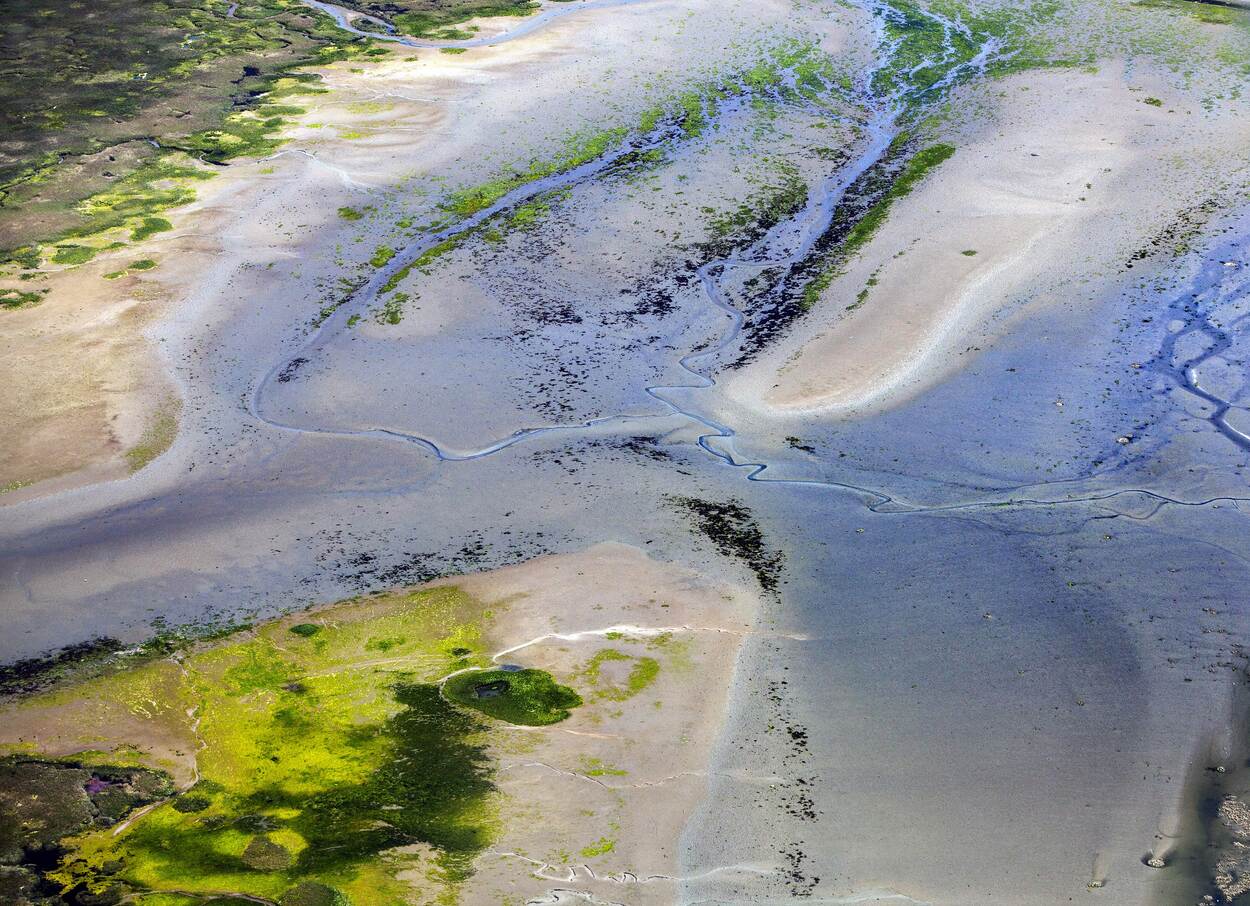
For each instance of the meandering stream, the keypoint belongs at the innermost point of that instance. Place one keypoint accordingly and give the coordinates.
(797, 236)
(883, 120)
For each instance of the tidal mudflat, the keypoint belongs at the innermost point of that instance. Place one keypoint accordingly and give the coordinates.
(648, 451)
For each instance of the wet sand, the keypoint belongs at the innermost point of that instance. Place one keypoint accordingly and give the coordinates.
(988, 632)
(1053, 187)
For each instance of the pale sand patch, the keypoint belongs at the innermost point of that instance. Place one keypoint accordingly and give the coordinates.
(596, 804)
(1061, 185)
(80, 389)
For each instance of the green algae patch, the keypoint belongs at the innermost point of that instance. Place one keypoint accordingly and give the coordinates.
(308, 893)
(157, 437)
(1207, 13)
(73, 254)
(148, 227)
(531, 698)
(579, 150)
(790, 68)
(14, 299)
(596, 767)
(918, 166)
(615, 676)
(600, 847)
(392, 310)
(782, 195)
(330, 765)
(382, 256)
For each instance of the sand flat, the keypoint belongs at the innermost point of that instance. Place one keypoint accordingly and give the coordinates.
(1058, 186)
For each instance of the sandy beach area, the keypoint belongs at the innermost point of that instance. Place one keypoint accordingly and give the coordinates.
(1052, 193)
(680, 452)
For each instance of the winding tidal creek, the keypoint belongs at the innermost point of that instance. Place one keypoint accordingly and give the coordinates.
(526, 539)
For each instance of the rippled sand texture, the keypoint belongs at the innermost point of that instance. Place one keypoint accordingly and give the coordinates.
(894, 360)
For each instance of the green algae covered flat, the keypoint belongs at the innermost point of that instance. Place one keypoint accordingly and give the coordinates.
(327, 760)
(528, 697)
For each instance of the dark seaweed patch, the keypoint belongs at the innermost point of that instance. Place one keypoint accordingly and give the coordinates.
(732, 528)
(782, 296)
(43, 802)
(290, 369)
(31, 674)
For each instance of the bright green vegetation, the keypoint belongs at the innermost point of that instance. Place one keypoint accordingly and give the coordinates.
(595, 767)
(422, 264)
(606, 685)
(1208, 13)
(150, 226)
(392, 310)
(1022, 31)
(528, 215)
(350, 213)
(914, 171)
(691, 110)
(917, 168)
(382, 256)
(862, 296)
(157, 437)
(347, 286)
(73, 254)
(13, 299)
(578, 150)
(814, 72)
(129, 206)
(528, 697)
(323, 748)
(438, 18)
(1153, 102)
(1046, 33)
(143, 264)
(600, 847)
(452, 50)
(97, 98)
(918, 62)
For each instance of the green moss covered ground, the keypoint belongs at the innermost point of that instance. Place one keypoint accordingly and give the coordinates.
(106, 106)
(330, 759)
(528, 697)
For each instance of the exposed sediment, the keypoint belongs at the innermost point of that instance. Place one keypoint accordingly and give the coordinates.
(390, 747)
